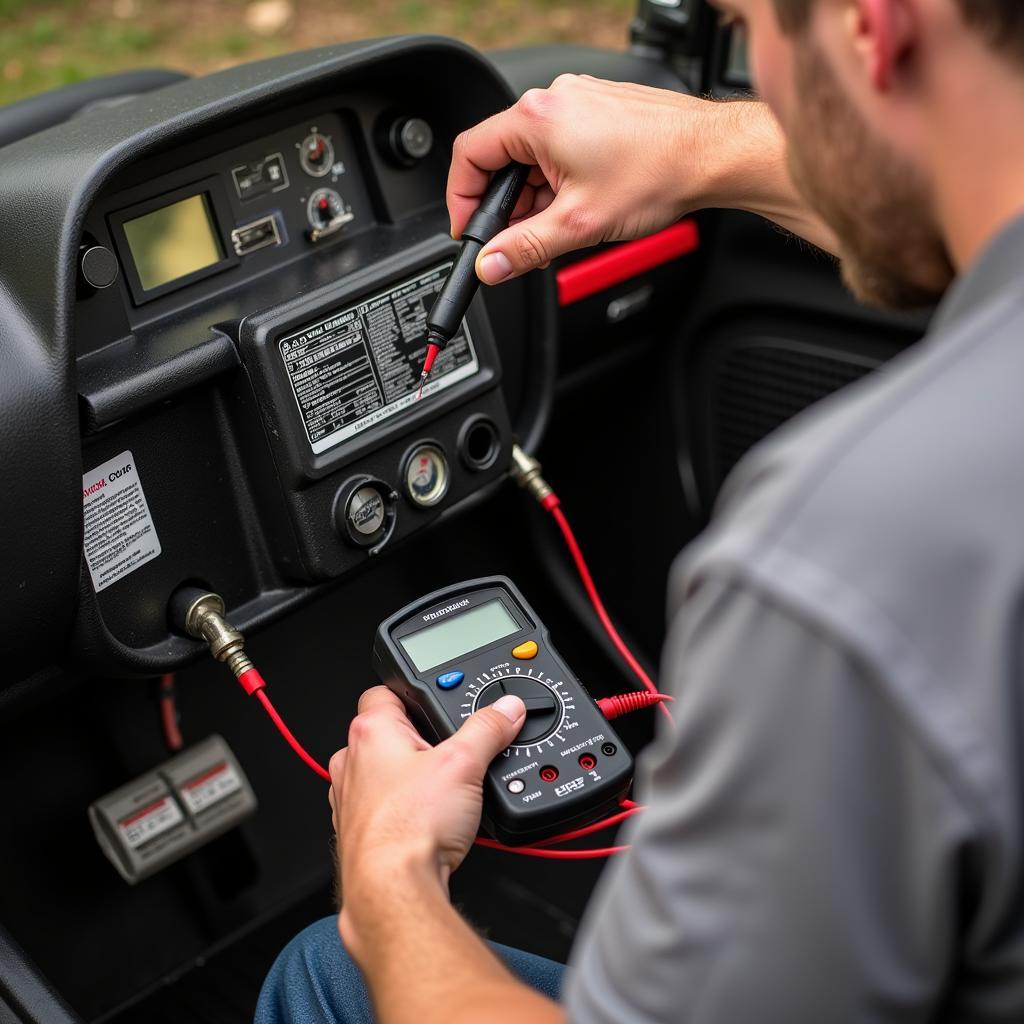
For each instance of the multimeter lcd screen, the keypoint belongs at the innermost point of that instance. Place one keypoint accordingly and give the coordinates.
(459, 635)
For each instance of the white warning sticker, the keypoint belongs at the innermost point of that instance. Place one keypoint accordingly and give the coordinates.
(119, 531)
(151, 821)
(207, 789)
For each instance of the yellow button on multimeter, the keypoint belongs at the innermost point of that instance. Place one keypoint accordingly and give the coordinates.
(525, 651)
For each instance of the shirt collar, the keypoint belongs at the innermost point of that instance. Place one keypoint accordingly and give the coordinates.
(1000, 264)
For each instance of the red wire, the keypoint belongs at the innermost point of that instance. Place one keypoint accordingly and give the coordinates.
(551, 503)
(169, 713)
(533, 851)
(254, 685)
(626, 703)
(586, 830)
(261, 696)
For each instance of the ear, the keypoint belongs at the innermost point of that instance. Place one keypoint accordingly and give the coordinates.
(882, 32)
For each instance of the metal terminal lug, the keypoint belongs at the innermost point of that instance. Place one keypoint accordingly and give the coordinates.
(204, 620)
(526, 472)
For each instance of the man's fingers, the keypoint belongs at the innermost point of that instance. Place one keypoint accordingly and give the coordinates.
(485, 734)
(382, 722)
(379, 697)
(534, 241)
(481, 151)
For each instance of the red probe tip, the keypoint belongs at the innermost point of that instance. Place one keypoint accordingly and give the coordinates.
(432, 353)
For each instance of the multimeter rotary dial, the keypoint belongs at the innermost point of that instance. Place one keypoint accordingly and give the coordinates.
(547, 707)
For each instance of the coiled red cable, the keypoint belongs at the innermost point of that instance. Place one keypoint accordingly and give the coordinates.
(626, 703)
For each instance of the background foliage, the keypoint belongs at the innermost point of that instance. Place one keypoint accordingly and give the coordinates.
(46, 43)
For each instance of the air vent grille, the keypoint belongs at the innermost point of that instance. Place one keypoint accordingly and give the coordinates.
(760, 387)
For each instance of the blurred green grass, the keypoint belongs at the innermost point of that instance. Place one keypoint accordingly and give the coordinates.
(48, 43)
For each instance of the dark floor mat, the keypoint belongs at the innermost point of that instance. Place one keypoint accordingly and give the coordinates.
(523, 903)
(223, 988)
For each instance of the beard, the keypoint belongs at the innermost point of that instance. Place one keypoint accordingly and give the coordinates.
(877, 203)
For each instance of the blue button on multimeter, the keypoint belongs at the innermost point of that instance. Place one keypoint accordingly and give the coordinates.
(449, 680)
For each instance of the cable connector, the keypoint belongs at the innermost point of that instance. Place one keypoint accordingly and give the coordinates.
(526, 472)
(202, 616)
(626, 703)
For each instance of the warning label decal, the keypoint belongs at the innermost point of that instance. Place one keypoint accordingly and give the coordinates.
(211, 787)
(362, 364)
(150, 822)
(119, 531)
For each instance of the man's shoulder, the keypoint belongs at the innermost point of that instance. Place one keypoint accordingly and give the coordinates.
(889, 520)
(911, 465)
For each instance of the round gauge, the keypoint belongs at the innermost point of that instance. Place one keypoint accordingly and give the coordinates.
(316, 154)
(426, 475)
(364, 511)
(324, 207)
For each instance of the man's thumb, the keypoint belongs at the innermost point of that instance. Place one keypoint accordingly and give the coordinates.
(530, 244)
(485, 734)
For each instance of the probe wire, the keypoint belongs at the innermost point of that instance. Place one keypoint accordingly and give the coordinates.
(534, 851)
(254, 685)
(552, 504)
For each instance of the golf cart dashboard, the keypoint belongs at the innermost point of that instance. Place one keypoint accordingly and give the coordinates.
(229, 280)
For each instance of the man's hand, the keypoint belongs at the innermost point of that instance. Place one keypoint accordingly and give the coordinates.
(406, 814)
(615, 161)
(402, 807)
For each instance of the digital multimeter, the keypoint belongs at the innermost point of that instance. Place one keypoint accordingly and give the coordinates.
(461, 648)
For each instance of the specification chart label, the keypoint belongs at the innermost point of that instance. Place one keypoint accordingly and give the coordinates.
(362, 364)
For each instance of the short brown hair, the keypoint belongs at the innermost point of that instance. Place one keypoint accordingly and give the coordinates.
(1001, 22)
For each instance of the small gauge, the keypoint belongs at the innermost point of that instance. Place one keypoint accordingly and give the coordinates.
(327, 213)
(426, 475)
(316, 154)
(323, 207)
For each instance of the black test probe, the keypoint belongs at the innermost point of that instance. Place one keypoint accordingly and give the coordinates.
(492, 216)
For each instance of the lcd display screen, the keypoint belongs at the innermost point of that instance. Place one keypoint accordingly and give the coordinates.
(173, 242)
(458, 635)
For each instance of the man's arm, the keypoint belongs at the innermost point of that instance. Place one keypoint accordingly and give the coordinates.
(615, 161)
(423, 963)
(800, 858)
(406, 815)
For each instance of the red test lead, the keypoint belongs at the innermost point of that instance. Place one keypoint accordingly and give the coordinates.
(626, 703)
(526, 473)
(492, 215)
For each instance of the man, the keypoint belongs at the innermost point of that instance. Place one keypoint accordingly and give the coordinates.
(835, 825)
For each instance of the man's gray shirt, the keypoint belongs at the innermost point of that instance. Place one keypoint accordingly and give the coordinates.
(835, 823)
